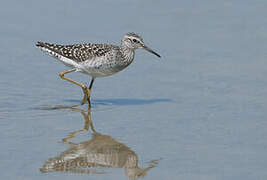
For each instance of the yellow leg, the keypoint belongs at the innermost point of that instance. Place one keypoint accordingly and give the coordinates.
(84, 88)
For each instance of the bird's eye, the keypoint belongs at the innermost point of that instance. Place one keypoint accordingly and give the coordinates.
(134, 40)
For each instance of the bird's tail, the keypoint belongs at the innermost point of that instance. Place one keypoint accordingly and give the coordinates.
(40, 44)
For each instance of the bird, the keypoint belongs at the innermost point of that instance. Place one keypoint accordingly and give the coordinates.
(95, 60)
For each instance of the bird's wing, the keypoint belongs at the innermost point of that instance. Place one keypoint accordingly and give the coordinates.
(78, 52)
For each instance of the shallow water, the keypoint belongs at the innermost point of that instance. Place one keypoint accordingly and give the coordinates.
(199, 112)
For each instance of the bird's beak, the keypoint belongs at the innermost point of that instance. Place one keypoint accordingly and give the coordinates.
(151, 51)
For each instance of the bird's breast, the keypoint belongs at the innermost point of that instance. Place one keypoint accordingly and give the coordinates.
(102, 66)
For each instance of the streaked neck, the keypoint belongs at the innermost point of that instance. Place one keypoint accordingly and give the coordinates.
(127, 53)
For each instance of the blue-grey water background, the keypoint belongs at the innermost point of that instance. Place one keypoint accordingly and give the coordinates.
(200, 110)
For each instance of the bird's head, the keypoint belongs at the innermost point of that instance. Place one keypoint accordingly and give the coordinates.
(134, 41)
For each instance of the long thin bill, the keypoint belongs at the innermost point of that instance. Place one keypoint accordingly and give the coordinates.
(151, 51)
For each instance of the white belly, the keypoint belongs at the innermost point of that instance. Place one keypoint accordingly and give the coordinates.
(100, 67)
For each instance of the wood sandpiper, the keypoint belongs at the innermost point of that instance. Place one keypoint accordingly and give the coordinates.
(95, 60)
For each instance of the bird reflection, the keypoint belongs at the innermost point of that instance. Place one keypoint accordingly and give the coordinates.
(95, 155)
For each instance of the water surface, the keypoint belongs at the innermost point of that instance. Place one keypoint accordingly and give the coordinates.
(199, 112)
